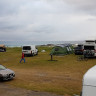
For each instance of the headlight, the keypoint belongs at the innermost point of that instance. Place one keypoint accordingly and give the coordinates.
(5, 75)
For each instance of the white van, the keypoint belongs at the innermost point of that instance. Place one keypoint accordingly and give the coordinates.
(89, 82)
(89, 48)
(30, 50)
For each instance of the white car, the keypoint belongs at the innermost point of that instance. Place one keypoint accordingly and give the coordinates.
(89, 83)
(6, 74)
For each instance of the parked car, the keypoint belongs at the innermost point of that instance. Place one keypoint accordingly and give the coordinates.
(6, 74)
(30, 50)
(78, 50)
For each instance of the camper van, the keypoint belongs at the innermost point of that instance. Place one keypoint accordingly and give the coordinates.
(30, 50)
(89, 48)
(89, 83)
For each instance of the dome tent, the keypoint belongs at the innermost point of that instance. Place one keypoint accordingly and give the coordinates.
(62, 50)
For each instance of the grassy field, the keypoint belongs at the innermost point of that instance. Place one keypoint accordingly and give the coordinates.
(63, 76)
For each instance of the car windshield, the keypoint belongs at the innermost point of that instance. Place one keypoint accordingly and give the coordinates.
(78, 48)
(2, 67)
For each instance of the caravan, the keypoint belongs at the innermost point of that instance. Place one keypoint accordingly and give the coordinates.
(30, 50)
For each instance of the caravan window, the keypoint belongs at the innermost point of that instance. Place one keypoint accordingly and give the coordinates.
(89, 47)
(26, 48)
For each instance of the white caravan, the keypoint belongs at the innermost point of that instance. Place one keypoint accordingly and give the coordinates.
(89, 48)
(89, 82)
(30, 50)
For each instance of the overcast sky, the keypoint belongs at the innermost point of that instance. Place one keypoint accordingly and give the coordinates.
(47, 20)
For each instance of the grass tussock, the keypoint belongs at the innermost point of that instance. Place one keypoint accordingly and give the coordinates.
(62, 76)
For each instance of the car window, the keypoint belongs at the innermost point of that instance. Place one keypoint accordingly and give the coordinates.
(89, 47)
(2, 67)
(26, 48)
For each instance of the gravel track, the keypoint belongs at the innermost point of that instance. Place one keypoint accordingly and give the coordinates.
(7, 90)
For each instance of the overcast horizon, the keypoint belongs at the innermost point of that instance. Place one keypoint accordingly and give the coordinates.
(47, 20)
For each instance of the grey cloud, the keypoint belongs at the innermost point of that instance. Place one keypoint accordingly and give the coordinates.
(44, 19)
(7, 27)
(43, 29)
(10, 28)
(88, 6)
(7, 7)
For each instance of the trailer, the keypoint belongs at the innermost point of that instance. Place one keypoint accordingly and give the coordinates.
(2, 48)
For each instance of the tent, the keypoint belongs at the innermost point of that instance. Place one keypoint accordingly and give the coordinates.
(62, 50)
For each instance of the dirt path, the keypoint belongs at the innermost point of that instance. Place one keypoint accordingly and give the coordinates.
(7, 90)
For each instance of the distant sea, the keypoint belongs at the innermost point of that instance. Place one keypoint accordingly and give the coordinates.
(21, 43)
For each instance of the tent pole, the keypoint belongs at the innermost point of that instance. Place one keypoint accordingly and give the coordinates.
(51, 57)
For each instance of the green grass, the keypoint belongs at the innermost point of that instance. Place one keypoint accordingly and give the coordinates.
(63, 76)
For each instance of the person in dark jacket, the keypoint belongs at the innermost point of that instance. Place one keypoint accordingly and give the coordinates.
(22, 58)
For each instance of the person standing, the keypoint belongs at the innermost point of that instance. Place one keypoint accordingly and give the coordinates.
(22, 58)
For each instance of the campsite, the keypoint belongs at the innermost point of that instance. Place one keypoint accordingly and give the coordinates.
(63, 76)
